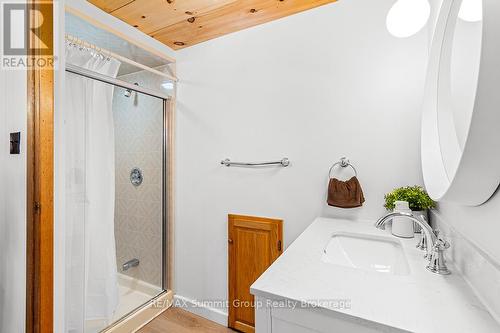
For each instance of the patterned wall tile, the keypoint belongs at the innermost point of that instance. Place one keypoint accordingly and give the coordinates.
(138, 215)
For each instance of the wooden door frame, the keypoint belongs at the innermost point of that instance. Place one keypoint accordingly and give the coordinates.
(40, 178)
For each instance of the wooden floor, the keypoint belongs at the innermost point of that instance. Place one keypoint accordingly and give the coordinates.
(176, 320)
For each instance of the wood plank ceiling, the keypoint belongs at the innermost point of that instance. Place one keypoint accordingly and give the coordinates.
(182, 23)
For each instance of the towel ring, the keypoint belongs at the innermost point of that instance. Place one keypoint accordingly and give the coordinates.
(344, 163)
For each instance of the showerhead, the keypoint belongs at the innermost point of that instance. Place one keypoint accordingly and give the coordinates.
(128, 92)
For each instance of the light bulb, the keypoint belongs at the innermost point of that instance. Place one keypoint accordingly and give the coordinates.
(168, 85)
(407, 17)
(471, 10)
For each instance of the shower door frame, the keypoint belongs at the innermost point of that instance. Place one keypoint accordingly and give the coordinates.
(168, 104)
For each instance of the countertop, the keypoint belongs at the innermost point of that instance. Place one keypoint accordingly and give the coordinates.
(419, 302)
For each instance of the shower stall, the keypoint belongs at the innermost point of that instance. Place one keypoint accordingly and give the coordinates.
(117, 125)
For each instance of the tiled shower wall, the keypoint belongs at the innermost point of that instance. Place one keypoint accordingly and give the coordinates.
(138, 215)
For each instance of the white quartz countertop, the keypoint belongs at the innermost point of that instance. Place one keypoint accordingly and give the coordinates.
(419, 302)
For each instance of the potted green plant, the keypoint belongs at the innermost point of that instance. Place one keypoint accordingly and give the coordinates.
(417, 198)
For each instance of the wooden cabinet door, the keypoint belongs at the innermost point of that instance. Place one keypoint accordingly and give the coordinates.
(254, 244)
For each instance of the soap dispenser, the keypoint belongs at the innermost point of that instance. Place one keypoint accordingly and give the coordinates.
(402, 226)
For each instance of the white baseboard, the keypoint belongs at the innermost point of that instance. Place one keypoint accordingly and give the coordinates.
(215, 315)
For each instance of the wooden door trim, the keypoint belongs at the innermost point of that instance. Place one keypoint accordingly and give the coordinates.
(256, 223)
(40, 180)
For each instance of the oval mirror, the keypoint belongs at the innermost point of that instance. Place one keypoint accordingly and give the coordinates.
(461, 115)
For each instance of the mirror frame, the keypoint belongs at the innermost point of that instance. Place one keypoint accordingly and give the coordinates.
(478, 174)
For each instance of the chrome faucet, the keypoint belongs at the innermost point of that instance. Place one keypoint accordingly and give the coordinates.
(431, 242)
(129, 264)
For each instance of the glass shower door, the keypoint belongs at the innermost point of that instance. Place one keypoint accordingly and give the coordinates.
(114, 202)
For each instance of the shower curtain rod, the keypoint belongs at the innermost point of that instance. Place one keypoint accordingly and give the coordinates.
(118, 57)
(116, 82)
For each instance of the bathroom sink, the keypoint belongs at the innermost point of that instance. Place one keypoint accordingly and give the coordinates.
(366, 252)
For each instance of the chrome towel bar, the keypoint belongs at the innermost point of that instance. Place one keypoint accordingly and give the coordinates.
(284, 163)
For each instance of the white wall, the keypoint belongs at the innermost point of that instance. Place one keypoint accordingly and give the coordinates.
(12, 203)
(311, 87)
(3, 224)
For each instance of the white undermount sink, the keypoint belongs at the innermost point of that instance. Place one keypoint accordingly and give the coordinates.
(367, 252)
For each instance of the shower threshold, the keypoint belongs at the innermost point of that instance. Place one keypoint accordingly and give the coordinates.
(140, 302)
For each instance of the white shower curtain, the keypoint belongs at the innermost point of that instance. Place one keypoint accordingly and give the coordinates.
(91, 273)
